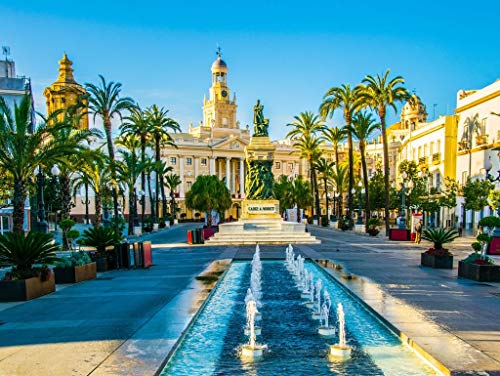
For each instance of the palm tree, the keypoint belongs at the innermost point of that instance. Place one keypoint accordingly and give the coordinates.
(339, 178)
(346, 98)
(325, 169)
(94, 173)
(378, 93)
(336, 136)
(136, 124)
(128, 170)
(172, 181)
(302, 194)
(160, 125)
(362, 127)
(21, 151)
(306, 127)
(104, 101)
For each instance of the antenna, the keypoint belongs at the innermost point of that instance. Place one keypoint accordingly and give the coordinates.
(6, 52)
(434, 111)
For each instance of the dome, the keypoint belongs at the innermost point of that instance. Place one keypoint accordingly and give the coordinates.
(219, 64)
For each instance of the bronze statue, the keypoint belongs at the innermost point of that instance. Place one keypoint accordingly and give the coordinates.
(260, 124)
(260, 178)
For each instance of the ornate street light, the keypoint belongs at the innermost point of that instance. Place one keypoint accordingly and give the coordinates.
(360, 197)
(42, 223)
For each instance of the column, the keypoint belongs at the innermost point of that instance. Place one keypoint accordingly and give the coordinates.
(228, 173)
(181, 174)
(219, 166)
(195, 166)
(233, 177)
(242, 177)
(212, 165)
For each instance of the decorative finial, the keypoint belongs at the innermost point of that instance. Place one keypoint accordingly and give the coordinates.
(218, 53)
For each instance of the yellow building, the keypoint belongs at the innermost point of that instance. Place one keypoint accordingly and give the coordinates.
(65, 92)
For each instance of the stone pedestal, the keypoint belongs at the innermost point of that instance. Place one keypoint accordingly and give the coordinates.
(260, 209)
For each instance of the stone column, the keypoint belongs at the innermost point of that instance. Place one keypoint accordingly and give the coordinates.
(219, 161)
(181, 174)
(242, 177)
(228, 173)
(211, 167)
(233, 177)
(195, 166)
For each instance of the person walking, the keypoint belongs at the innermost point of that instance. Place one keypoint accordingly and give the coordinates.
(418, 232)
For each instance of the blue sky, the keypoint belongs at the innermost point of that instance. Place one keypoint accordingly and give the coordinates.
(287, 53)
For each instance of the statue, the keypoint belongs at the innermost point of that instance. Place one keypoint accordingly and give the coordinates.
(260, 178)
(260, 124)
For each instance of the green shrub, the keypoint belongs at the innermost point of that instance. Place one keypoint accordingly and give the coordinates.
(75, 259)
(100, 238)
(439, 236)
(22, 252)
(325, 221)
(373, 222)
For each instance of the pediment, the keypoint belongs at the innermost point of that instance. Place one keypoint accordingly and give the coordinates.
(232, 143)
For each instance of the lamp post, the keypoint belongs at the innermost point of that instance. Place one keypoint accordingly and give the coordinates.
(361, 192)
(42, 223)
(402, 218)
(488, 165)
(55, 173)
(86, 202)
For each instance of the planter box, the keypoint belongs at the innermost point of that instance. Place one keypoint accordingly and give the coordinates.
(481, 273)
(26, 289)
(399, 234)
(75, 274)
(437, 262)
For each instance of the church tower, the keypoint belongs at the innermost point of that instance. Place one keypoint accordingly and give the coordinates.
(219, 111)
(65, 92)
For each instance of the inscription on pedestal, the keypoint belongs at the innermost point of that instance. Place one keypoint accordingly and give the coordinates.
(262, 209)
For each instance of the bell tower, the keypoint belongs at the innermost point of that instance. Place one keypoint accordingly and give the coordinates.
(66, 92)
(219, 111)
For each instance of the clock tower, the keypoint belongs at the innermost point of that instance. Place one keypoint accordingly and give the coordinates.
(219, 111)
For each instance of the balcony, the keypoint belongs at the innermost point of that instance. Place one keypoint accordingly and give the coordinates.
(422, 160)
(436, 158)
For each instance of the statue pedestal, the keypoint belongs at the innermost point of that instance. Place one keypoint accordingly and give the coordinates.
(260, 209)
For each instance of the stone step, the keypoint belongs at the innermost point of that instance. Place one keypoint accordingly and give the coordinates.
(280, 238)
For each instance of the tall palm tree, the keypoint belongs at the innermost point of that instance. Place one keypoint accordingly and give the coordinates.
(128, 170)
(339, 178)
(378, 93)
(160, 127)
(21, 151)
(325, 169)
(346, 98)
(336, 136)
(306, 127)
(362, 127)
(172, 181)
(136, 124)
(104, 101)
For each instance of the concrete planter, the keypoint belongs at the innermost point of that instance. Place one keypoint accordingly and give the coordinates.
(26, 289)
(155, 226)
(436, 262)
(481, 273)
(75, 274)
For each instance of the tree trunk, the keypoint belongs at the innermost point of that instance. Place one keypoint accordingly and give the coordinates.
(18, 203)
(151, 198)
(143, 179)
(98, 209)
(381, 113)
(131, 210)
(326, 198)
(351, 174)
(158, 179)
(111, 153)
(365, 182)
(163, 198)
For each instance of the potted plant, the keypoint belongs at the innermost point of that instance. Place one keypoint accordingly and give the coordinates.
(197, 216)
(66, 225)
(372, 226)
(103, 239)
(183, 217)
(148, 224)
(477, 266)
(344, 224)
(437, 256)
(325, 221)
(162, 223)
(22, 252)
(75, 268)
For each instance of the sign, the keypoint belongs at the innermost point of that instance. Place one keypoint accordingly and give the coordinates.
(262, 209)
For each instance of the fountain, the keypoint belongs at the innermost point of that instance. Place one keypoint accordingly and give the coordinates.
(306, 291)
(341, 351)
(325, 329)
(249, 298)
(252, 350)
(316, 315)
(310, 302)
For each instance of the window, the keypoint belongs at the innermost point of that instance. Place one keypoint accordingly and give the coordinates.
(203, 161)
(189, 161)
(464, 177)
(277, 165)
(224, 122)
(438, 148)
(188, 185)
(290, 167)
(173, 160)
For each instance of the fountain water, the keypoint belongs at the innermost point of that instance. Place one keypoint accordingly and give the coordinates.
(325, 329)
(310, 302)
(316, 315)
(306, 291)
(341, 350)
(252, 350)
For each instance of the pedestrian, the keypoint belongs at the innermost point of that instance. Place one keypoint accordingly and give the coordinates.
(418, 232)
(460, 229)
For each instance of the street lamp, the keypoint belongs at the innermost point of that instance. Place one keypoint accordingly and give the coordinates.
(42, 223)
(488, 165)
(360, 214)
(402, 218)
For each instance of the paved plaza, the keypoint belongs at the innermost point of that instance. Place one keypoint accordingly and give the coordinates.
(126, 321)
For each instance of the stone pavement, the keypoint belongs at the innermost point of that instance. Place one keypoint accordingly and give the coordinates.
(126, 322)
